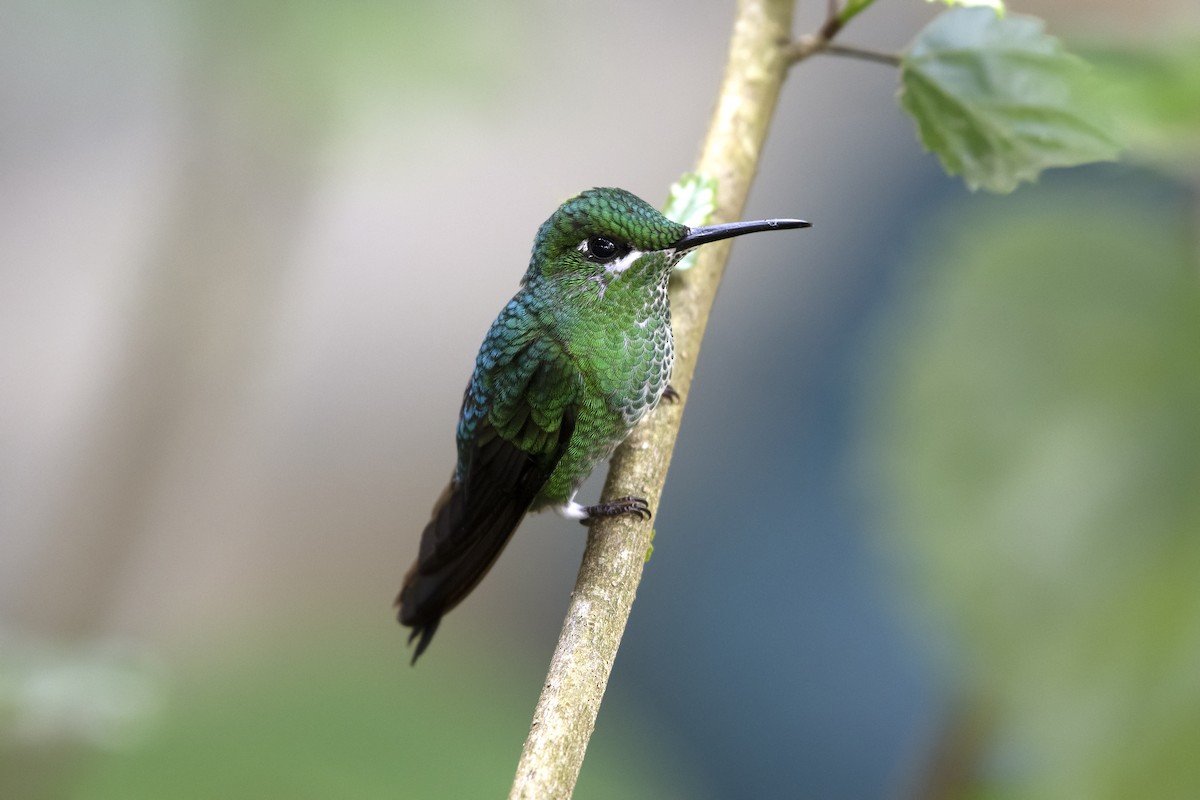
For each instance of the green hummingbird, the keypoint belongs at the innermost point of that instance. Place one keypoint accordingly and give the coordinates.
(576, 359)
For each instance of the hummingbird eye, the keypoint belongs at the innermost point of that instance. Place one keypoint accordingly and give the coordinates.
(602, 249)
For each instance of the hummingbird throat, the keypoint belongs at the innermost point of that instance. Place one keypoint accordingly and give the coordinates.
(614, 268)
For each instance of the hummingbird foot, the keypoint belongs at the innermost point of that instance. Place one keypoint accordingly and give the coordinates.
(616, 508)
(669, 394)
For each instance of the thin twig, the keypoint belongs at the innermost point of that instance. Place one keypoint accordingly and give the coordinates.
(833, 24)
(849, 51)
(804, 47)
(822, 40)
(616, 548)
(807, 46)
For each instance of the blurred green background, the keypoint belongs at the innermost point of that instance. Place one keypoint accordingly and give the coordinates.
(933, 526)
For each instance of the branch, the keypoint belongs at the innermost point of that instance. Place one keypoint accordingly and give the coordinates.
(822, 41)
(616, 549)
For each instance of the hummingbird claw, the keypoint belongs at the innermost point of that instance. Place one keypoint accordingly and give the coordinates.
(669, 394)
(635, 506)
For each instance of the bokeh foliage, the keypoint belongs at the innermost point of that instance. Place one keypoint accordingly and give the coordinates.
(343, 715)
(1042, 447)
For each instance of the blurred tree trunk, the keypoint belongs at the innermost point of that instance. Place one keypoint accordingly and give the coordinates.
(193, 331)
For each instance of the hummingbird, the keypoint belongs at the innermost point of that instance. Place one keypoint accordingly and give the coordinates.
(576, 359)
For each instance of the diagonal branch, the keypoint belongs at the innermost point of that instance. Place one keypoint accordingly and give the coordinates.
(616, 549)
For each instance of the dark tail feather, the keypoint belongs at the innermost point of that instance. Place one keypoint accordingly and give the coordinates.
(458, 547)
(426, 633)
(473, 521)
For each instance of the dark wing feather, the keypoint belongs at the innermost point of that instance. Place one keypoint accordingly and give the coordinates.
(503, 465)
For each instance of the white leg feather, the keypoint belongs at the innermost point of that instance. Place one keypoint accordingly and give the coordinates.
(572, 510)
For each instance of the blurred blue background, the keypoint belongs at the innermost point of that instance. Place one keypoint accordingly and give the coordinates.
(931, 527)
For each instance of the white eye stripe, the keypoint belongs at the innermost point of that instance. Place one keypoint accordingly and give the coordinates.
(623, 263)
(616, 266)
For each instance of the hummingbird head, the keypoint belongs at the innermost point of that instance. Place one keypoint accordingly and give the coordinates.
(603, 232)
(600, 230)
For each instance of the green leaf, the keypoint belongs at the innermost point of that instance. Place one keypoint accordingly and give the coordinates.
(998, 100)
(692, 200)
(852, 10)
(995, 5)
